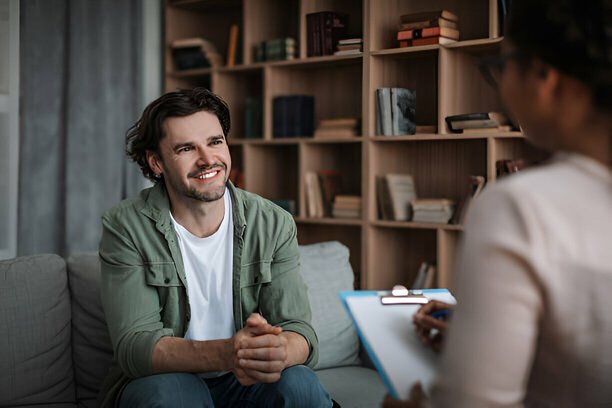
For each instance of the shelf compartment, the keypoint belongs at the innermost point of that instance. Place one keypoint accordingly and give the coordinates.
(441, 169)
(353, 8)
(512, 148)
(334, 90)
(394, 255)
(384, 21)
(343, 158)
(463, 89)
(234, 87)
(272, 171)
(415, 71)
(210, 20)
(348, 235)
(268, 20)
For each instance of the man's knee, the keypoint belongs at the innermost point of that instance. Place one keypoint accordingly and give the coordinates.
(166, 390)
(301, 386)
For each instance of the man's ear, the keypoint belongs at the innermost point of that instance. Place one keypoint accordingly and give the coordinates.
(154, 162)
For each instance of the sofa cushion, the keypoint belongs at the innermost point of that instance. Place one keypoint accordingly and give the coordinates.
(327, 271)
(35, 352)
(91, 346)
(354, 387)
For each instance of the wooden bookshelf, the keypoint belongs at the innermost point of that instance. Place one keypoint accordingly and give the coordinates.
(447, 81)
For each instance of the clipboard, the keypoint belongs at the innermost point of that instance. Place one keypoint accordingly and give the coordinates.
(388, 336)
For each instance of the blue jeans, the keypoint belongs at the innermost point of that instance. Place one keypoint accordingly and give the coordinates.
(297, 387)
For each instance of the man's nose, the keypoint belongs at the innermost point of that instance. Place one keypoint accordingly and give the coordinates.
(205, 158)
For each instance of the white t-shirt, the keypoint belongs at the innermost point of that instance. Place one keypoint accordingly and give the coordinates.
(208, 267)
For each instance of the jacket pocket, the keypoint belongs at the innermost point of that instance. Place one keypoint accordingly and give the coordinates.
(255, 274)
(162, 274)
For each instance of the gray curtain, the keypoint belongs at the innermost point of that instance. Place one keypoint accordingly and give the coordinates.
(80, 90)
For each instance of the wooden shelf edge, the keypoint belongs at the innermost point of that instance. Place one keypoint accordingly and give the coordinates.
(405, 50)
(349, 222)
(416, 225)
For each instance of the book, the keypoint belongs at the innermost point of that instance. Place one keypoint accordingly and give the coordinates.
(478, 120)
(432, 40)
(401, 192)
(403, 111)
(428, 15)
(293, 116)
(383, 98)
(474, 187)
(432, 210)
(314, 200)
(348, 199)
(348, 52)
(232, 45)
(385, 212)
(253, 117)
(428, 32)
(191, 53)
(434, 22)
(425, 276)
(287, 205)
(349, 41)
(331, 184)
(508, 166)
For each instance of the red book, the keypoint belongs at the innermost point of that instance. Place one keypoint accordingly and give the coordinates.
(428, 32)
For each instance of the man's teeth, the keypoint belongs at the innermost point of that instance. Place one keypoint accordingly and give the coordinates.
(207, 175)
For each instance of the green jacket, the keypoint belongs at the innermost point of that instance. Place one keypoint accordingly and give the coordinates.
(144, 285)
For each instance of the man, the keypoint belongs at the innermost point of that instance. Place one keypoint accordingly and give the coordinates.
(200, 281)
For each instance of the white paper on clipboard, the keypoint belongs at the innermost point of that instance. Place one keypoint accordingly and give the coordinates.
(390, 339)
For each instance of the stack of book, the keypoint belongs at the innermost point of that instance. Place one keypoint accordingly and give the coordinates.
(279, 49)
(323, 32)
(337, 128)
(425, 277)
(395, 111)
(350, 46)
(429, 27)
(432, 210)
(192, 53)
(480, 122)
(347, 206)
(293, 116)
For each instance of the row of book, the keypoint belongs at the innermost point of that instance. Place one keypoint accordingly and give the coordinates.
(425, 277)
(397, 201)
(337, 128)
(350, 46)
(280, 49)
(324, 30)
(428, 27)
(324, 196)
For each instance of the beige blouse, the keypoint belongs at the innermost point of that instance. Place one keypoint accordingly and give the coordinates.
(533, 326)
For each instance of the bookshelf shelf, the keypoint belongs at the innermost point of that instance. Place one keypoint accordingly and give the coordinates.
(447, 82)
(417, 225)
(329, 221)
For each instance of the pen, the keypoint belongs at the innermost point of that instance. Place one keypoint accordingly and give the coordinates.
(439, 314)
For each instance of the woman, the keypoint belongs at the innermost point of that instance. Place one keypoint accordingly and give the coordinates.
(533, 325)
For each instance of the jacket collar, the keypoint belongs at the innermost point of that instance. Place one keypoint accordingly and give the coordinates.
(157, 206)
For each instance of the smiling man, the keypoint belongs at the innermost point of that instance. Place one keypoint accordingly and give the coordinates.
(201, 285)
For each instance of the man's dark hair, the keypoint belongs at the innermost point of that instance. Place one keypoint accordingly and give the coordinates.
(574, 36)
(150, 129)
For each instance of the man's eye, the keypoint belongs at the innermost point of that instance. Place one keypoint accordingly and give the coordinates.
(217, 141)
(185, 149)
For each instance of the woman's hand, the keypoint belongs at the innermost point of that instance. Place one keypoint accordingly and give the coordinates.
(431, 329)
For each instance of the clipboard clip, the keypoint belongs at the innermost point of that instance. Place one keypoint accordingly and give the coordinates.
(400, 295)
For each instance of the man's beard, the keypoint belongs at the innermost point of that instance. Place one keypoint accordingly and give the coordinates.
(193, 193)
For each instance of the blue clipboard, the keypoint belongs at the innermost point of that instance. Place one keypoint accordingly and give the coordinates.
(389, 338)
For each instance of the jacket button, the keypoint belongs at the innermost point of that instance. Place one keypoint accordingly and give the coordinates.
(166, 280)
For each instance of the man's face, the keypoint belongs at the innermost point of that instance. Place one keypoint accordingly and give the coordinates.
(193, 157)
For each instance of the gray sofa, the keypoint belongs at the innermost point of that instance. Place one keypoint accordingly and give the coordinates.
(55, 350)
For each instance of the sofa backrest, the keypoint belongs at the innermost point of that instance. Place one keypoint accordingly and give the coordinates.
(92, 351)
(35, 351)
